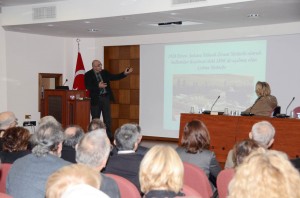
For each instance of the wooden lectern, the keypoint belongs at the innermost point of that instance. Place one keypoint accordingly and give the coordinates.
(67, 106)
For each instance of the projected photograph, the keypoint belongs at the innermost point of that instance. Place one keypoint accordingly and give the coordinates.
(201, 91)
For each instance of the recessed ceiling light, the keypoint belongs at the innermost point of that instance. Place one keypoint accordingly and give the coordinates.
(173, 13)
(253, 16)
(226, 7)
(93, 30)
(87, 22)
(50, 25)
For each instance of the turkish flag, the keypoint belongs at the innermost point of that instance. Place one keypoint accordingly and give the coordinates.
(78, 83)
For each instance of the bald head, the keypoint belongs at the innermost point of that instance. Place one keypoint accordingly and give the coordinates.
(7, 120)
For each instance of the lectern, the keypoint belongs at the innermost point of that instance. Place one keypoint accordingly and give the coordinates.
(67, 106)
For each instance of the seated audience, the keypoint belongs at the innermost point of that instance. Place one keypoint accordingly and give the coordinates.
(28, 175)
(126, 162)
(73, 134)
(93, 150)
(15, 144)
(7, 120)
(96, 123)
(265, 103)
(66, 179)
(262, 132)
(265, 173)
(242, 149)
(195, 150)
(161, 173)
(141, 149)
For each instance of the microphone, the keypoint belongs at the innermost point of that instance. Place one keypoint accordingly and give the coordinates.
(289, 105)
(65, 82)
(214, 103)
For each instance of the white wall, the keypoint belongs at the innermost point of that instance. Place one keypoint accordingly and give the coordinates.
(3, 90)
(27, 55)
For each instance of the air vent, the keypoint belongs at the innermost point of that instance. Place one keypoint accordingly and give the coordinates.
(44, 13)
(176, 2)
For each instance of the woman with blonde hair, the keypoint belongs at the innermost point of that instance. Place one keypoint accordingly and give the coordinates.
(265, 173)
(265, 103)
(68, 178)
(161, 173)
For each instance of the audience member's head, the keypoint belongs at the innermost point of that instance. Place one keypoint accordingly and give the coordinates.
(161, 169)
(73, 134)
(96, 123)
(262, 89)
(15, 139)
(265, 173)
(263, 133)
(47, 139)
(132, 126)
(83, 190)
(195, 137)
(242, 149)
(127, 137)
(49, 119)
(7, 120)
(93, 149)
(69, 176)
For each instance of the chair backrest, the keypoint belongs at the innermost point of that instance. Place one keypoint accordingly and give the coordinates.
(223, 179)
(196, 178)
(4, 172)
(276, 111)
(296, 110)
(4, 195)
(127, 189)
(190, 192)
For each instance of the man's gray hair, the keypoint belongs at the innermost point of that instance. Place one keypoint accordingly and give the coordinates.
(93, 148)
(96, 123)
(49, 119)
(263, 132)
(46, 139)
(126, 136)
(72, 140)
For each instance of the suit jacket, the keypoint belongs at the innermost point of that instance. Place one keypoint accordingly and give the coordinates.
(125, 165)
(263, 106)
(68, 153)
(91, 84)
(28, 175)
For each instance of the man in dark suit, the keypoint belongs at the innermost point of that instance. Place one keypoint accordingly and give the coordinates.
(73, 134)
(126, 162)
(97, 81)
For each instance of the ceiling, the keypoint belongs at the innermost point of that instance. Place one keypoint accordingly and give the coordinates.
(194, 19)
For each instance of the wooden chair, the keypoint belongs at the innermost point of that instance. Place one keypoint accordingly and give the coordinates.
(127, 189)
(4, 172)
(223, 179)
(196, 178)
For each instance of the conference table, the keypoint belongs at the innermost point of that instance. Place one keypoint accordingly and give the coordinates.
(226, 130)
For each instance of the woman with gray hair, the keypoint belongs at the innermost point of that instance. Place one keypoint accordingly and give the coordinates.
(28, 175)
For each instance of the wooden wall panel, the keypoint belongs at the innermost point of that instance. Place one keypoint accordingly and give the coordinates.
(135, 97)
(134, 112)
(124, 96)
(126, 91)
(135, 81)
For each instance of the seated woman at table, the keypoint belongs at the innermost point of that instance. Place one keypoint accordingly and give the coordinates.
(265, 103)
(195, 150)
(15, 143)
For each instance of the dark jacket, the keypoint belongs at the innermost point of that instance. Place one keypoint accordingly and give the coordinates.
(91, 84)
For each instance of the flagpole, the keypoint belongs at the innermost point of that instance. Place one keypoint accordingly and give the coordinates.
(78, 41)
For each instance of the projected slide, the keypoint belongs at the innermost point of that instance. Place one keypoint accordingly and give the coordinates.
(196, 74)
